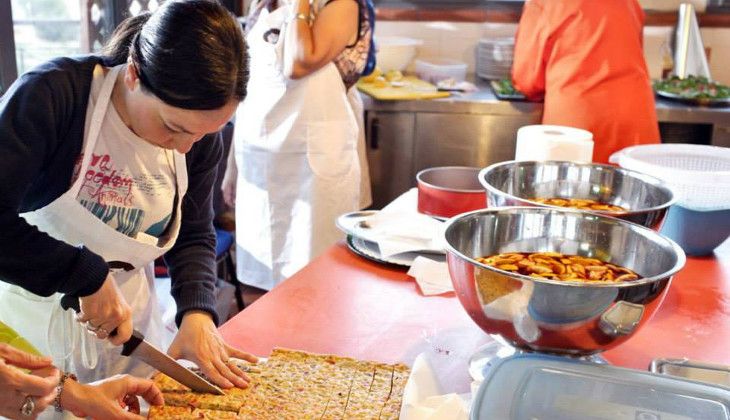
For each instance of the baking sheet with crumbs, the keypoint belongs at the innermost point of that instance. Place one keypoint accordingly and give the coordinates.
(295, 384)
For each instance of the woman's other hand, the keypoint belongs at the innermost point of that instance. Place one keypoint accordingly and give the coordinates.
(16, 385)
(199, 341)
(105, 310)
(112, 398)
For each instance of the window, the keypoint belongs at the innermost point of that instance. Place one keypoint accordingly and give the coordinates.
(44, 29)
(8, 70)
(33, 31)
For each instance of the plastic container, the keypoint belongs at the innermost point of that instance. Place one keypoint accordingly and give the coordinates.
(700, 178)
(549, 387)
(395, 52)
(698, 232)
(434, 70)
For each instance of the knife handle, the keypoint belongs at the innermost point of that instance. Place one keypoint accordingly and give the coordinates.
(131, 344)
(72, 302)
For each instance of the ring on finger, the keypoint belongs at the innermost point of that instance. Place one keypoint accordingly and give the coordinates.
(91, 327)
(28, 406)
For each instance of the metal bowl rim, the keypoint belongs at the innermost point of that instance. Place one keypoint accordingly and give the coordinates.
(653, 181)
(420, 173)
(681, 257)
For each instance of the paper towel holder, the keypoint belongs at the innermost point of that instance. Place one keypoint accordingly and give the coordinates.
(689, 54)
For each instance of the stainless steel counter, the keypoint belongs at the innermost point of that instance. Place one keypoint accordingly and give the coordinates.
(474, 129)
(484, 102)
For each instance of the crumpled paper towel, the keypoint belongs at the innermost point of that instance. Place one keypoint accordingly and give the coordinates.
(431, 276)
(397, 232)
(422, 399)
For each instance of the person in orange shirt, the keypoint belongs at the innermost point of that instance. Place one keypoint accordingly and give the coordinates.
(585, 58)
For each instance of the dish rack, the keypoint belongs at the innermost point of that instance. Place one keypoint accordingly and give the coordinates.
(494, 57)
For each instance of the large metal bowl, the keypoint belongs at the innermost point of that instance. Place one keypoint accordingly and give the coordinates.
(514, 183)
(550, 315)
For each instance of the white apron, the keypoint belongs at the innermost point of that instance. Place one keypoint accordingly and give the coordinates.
(366, 193)
(296, 150)
(41, 320)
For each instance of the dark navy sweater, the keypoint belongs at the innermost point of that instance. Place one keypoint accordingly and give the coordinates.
(42, 118)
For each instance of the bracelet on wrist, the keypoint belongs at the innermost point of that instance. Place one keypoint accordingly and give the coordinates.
(59, 389)
(307, 18)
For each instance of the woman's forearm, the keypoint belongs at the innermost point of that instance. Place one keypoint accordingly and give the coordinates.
(309, 47)
(299, 42)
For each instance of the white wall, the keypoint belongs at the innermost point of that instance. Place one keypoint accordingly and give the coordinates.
(457, 40)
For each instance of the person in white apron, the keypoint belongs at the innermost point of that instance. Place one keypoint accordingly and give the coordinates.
(144, 109)
(297, 137)
(66, 219)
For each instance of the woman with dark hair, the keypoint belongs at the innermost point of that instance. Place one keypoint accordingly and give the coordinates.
(106, 163)
(299, 137)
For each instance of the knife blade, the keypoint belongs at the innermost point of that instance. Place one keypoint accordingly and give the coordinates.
(142, 350)
(138, 348)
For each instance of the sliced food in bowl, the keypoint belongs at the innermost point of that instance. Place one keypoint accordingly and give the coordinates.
(557, 266)
(581, 204)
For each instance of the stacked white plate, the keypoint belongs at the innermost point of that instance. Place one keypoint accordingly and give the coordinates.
(494, 57)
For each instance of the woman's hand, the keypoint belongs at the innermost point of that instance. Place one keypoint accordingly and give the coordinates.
(105, 310)
(199, 341)
(16, 385)
(112, 398)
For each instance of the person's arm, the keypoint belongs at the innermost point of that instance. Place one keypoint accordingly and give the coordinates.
(230, 178)
(531, 50)
(16, 383)
(192, 269)
(35, 118)
(191, 261)
(308, 48)
(101, 400)
(641, 17)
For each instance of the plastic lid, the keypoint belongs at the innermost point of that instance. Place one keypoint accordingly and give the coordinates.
(550, 387)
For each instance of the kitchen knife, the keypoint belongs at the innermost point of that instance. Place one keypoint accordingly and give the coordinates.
(140, 349)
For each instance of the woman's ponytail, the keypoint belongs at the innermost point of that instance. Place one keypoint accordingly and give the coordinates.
(188, 53)
(116, 51)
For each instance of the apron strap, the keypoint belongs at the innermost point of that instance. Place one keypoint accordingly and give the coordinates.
(97, 118)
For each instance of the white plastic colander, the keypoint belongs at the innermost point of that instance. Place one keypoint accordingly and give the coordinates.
(698, 175)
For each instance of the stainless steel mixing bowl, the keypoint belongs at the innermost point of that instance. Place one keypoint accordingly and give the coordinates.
(550, 315)
(514, 183)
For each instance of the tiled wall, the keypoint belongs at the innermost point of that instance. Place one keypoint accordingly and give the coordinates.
(458, 40)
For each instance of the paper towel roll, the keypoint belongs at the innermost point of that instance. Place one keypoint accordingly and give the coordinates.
(554, 142)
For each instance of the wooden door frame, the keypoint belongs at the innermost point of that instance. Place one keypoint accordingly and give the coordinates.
(8, 66)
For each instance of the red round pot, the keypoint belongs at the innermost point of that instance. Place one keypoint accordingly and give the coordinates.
(450, 190)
